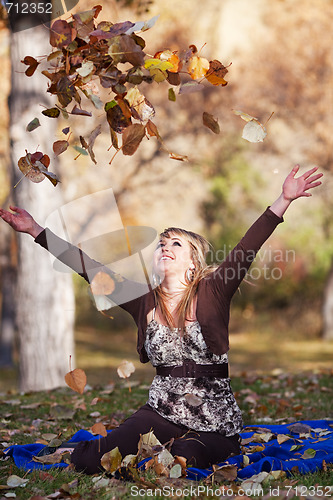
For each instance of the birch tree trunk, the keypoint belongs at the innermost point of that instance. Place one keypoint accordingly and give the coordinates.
(44, 297)
(328, 307)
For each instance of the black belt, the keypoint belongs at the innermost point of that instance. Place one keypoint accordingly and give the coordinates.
(192, 370)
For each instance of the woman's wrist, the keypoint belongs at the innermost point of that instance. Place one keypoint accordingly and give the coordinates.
(280, 205)
(35, 230)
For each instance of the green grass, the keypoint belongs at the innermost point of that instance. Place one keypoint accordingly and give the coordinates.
(26, 418)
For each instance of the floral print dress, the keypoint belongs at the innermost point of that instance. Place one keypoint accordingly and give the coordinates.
(202, 404)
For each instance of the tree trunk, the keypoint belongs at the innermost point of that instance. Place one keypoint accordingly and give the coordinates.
(44, 297)
(328, 307)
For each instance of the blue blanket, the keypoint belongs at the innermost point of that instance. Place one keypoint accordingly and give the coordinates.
(309, 444)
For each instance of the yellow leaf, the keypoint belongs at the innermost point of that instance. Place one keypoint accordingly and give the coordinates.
(111, 460)
(198, 67)
(158, 64)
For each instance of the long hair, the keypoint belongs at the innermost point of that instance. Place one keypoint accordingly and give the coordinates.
(199, 249)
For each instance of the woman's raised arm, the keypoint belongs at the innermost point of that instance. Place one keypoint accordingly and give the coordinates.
(21, 221)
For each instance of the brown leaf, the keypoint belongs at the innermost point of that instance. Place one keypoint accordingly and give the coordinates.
(99, 428)
(116, 118)
(132, 137)
(32, 64)
(210, 122)
(61, 34)
(152, 129)
(76, 380)
(60, 147)
(216, 73)
(174, 156)
(225, 473)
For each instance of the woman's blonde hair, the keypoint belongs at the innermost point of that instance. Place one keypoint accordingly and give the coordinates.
(199, 250)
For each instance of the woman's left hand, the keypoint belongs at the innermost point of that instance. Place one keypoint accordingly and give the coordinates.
(294, 188)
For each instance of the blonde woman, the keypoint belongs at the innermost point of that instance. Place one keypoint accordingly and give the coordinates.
(183, 331)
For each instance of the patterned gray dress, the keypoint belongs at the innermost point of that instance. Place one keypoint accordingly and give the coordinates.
(201, 404)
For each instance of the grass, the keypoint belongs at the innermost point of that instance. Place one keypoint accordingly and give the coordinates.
(274, 381)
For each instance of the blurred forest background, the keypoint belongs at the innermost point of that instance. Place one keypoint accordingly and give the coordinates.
(282, 62)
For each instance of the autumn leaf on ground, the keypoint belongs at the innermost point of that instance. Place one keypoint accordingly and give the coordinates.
(125, 369)
(76, 379)
(111, 460)
(210, 122)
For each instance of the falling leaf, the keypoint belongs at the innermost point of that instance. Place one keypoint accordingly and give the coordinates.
(99, 428)
(86, 68)
(210, 122)
(198, 67)
(193, 400)
(33, 125)
(60, 147)
(254, 131)
(80, 150)
(141, 107)
(51, 112)
(244, 116)
(111, 460)
(34, 167)
(174, 156)
(171, 95)
(61, 34)
(152, 129)
(172, 58)
(102, 284)
(32, 64)
(132, 136)
(216, 73)
(156, 63)
(189, 87)
(76, 380)
(125, 369)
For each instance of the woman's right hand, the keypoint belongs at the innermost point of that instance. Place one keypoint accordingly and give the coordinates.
(21, 221)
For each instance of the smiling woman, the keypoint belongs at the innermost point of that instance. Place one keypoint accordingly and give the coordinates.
(183, 331)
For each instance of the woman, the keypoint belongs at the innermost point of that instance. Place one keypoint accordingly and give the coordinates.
(183, 331)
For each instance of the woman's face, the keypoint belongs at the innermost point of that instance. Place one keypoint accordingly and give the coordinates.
(172, 257)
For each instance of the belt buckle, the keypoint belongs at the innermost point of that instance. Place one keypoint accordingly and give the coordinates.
(189, 368)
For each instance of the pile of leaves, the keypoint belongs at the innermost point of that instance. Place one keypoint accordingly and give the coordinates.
(88, 58)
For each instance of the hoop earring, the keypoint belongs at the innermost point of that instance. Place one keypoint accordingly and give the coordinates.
(156, 280)
(189, 275)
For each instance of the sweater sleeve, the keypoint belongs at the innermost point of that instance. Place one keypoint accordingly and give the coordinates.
(228, 276)
(126, 291)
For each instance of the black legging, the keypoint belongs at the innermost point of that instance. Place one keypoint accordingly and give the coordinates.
(201, 449)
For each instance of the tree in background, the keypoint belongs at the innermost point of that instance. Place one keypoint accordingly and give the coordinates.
(44, 299)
